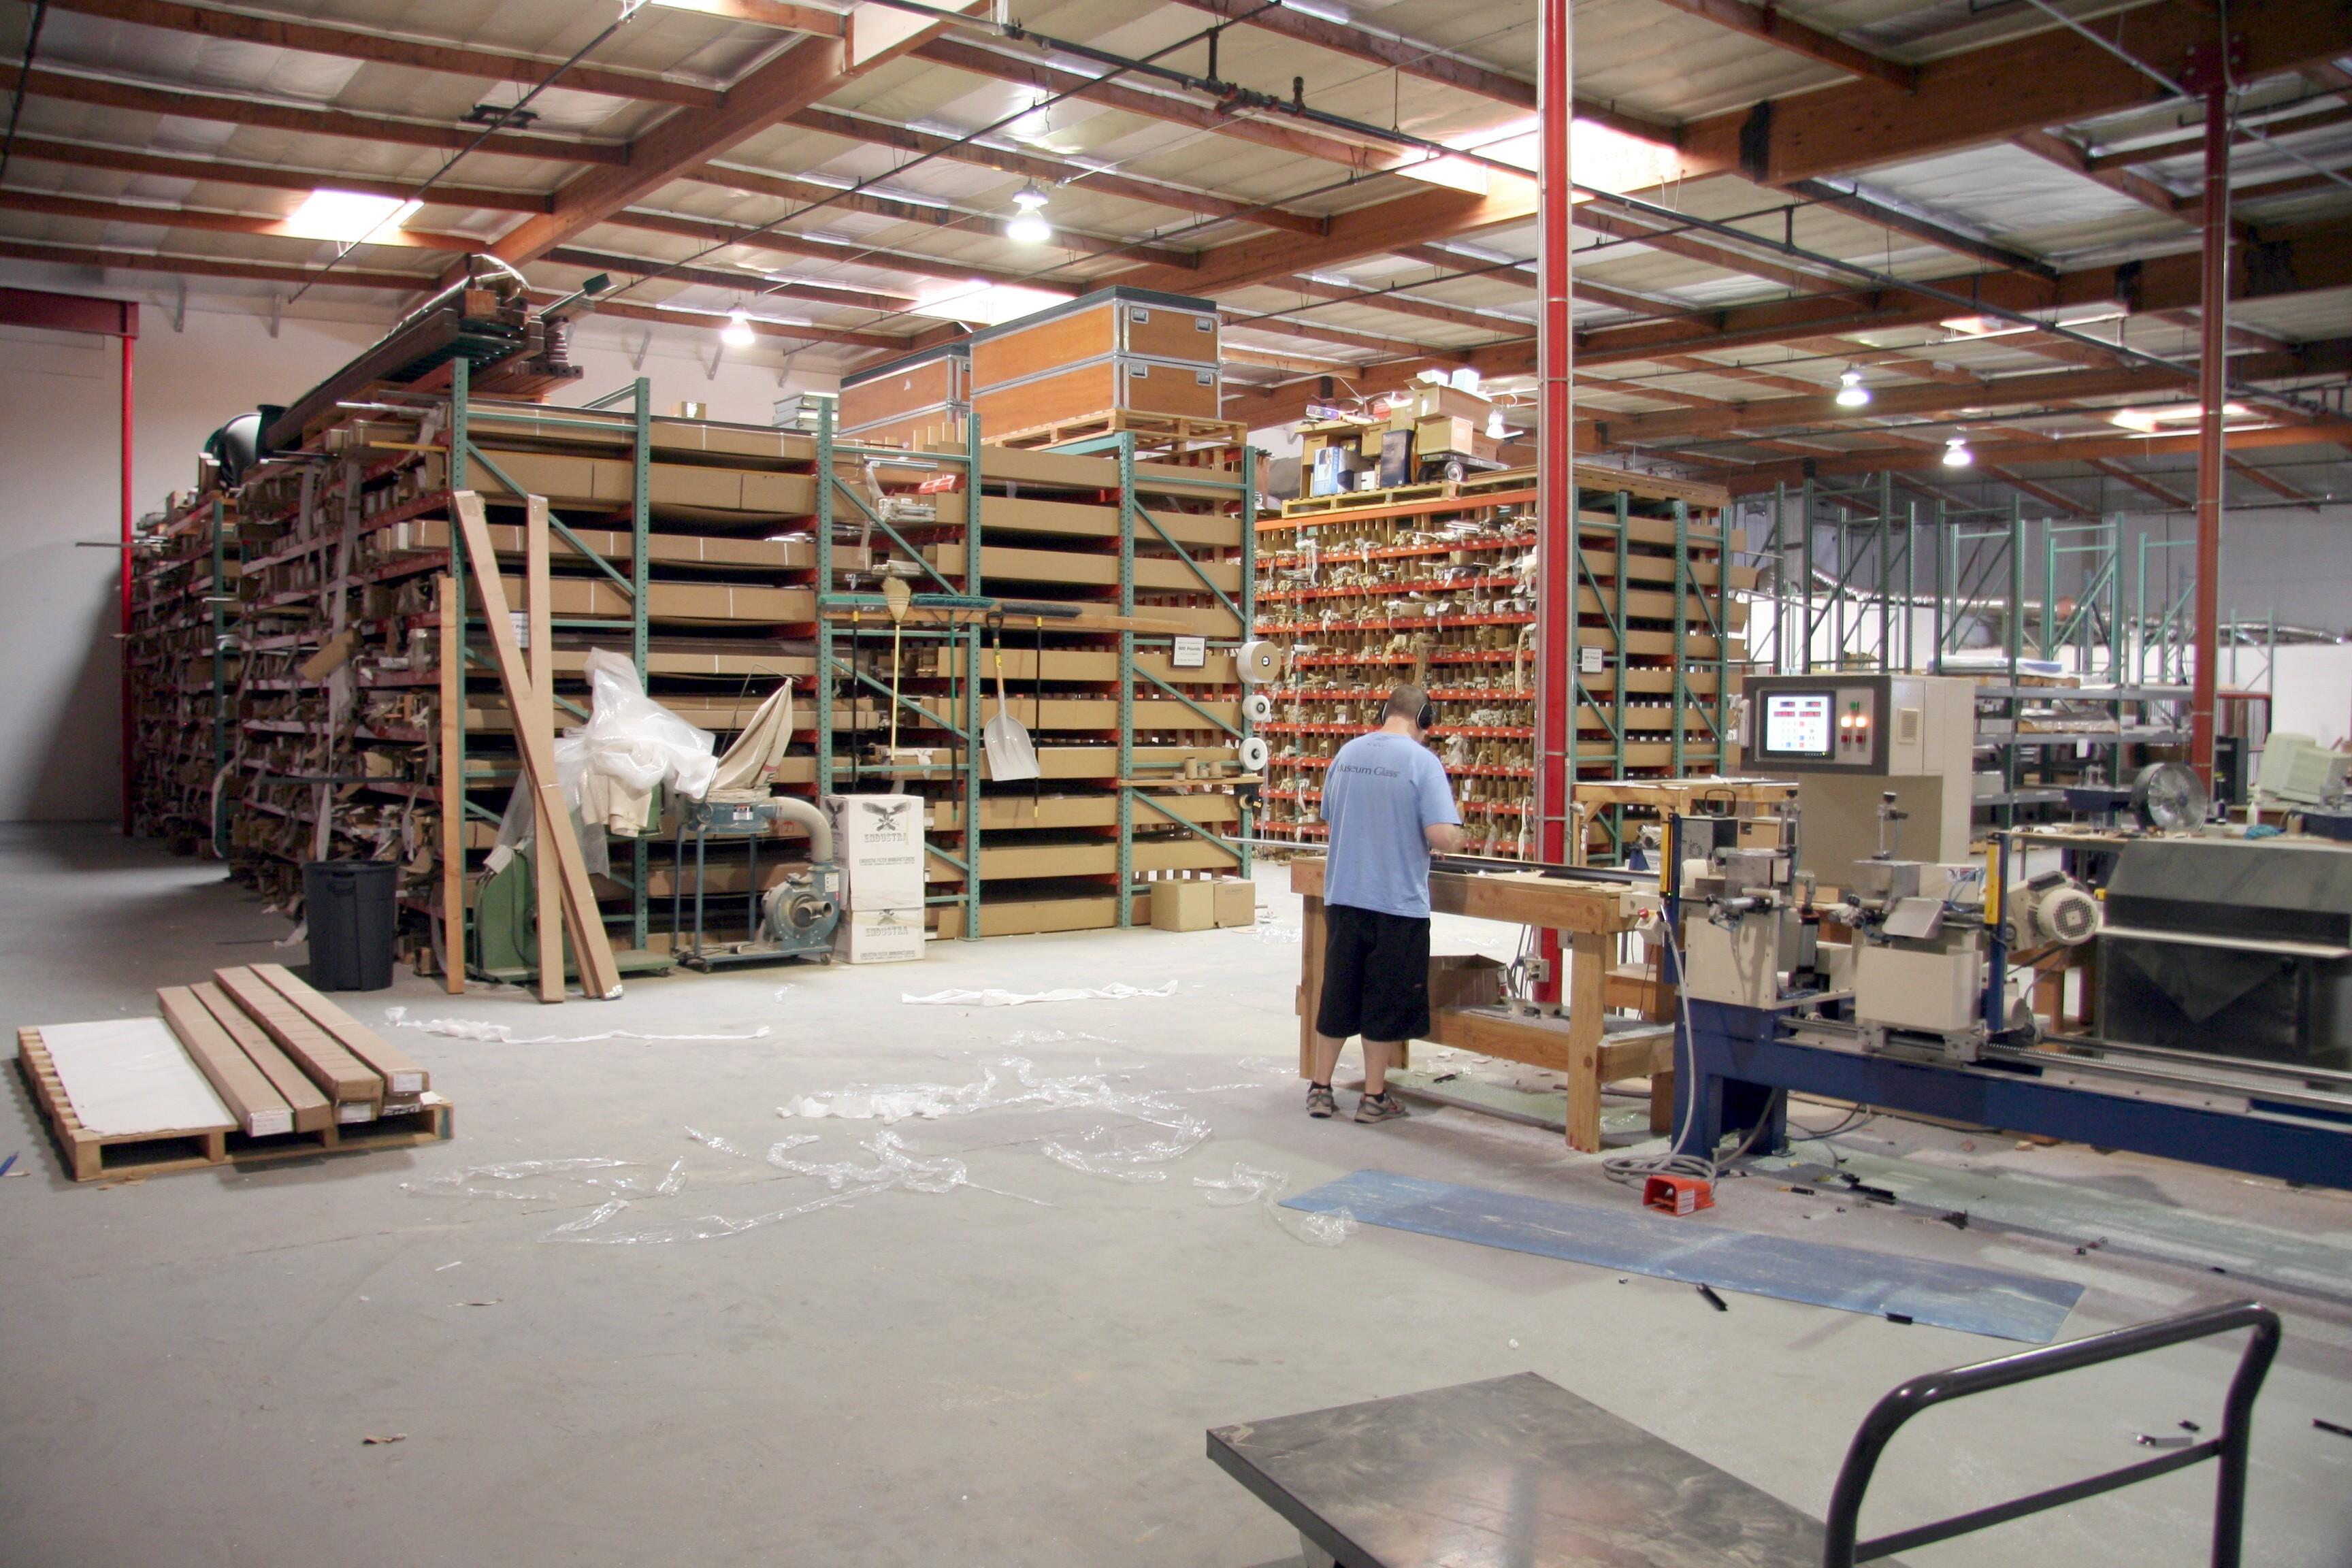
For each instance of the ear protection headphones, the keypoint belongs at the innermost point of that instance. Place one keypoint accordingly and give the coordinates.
(1427, 718)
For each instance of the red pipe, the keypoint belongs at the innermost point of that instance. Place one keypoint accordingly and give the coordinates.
(2212, 385)
(1554, 460)
(123, 643)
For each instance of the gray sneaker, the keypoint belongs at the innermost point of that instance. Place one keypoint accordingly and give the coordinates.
(1318, 1100)
(1381, 1108)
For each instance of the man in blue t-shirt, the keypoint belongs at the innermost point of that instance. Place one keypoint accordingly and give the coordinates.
(1389, 804)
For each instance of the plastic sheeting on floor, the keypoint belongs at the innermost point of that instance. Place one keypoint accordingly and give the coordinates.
(1948, 1295)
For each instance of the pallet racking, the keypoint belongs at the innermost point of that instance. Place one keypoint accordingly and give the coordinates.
(359, 716)
(1073, 579)
(1436, 583)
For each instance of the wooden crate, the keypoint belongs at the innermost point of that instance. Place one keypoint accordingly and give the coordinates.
(1084, 390)
(1109, 321)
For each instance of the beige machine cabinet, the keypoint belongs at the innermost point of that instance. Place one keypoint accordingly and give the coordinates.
(1850, 739)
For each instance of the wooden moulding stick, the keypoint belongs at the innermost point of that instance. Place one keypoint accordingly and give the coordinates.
(402, 1076)
(537, 594)
(599, 976)
(351, 1083)
(314, 1112)
(453, 785)
(260, 1110)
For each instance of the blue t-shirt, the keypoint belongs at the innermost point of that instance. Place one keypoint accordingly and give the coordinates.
(1381, 792)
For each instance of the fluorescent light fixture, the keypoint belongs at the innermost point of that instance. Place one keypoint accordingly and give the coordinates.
(1852, 393)
(347, 216)
(2152, 421)
(1957, 454)
(738, 333)
(1029, 225)
(1330, 280)
(1335, 15)
(986, 304)
(1982, 327)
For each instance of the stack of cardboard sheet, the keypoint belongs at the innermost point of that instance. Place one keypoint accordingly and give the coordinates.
(251, 1065)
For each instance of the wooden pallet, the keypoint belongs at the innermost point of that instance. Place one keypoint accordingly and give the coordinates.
(89, 1156)
(1184, 430)
(1401, 495)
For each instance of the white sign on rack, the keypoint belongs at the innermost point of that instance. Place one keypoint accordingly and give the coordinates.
(1191, 653)
(1589, 658)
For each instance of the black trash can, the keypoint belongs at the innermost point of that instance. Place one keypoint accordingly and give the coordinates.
(350, 907)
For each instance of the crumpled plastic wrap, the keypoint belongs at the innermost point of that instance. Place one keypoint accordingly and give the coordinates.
(1129, 1152)
(896, 1166)
(1255, 1184)
(504, 1035)
(610, 766)
(992, 997)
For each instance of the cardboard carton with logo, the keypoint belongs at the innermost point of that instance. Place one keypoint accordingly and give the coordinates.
(877, 839)
(880, 936)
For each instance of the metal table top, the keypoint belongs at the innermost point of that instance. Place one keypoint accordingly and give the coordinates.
(1514, 1472)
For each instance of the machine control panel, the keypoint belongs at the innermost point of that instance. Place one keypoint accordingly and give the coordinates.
(1804, 724)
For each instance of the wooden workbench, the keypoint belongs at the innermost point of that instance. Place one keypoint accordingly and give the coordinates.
(1588, 917)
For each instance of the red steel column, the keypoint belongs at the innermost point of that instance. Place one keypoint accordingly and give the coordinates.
(2213, 383)
(1555, 463)
(122, 644)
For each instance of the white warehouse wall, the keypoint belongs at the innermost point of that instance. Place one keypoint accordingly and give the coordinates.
(60, 468)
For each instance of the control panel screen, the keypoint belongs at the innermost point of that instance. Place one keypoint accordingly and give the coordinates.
(1797, 724)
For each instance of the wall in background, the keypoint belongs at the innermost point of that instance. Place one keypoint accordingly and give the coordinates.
(60, 454)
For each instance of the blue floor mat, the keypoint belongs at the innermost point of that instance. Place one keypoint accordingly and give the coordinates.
(1948, 1295)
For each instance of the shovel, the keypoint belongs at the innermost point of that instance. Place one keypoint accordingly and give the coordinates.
(1010, 754)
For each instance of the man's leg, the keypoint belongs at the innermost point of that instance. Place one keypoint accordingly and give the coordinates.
(1326, 1057)
(1376, 1066)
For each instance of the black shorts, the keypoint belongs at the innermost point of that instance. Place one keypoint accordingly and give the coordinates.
(1375, 974)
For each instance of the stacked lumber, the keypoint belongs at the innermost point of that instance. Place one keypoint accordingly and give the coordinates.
(273, 1070)
(1436, 584)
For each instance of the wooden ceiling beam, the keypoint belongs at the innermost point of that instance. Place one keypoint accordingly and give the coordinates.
(932, 214)
(1765, 24)
(1401, 304)
(1926, 399)
(2190, 144)
(379, 48)
(1434, 212)
(138, 98)
(782, 242)
(620, 309)
(2038, 492)
(1978, 96)
(973, 58)
(805, 71)
(747, 283)
(2273, 483)
(1057, 171)
(2140, 482)
(212, 267)
(214, 222)
(1856, 352)
(126, 161)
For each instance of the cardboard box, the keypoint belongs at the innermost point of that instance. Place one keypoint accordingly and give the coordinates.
(880, 936)
(1236, 902)
(1463, 980)
(876, 829)
(1184, 905)
(882, 885)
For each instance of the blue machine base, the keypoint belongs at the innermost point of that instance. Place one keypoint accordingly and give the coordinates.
(1739, 1062)
(1947, 1295)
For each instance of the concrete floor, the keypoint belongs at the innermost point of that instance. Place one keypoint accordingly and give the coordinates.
(1012, 1376)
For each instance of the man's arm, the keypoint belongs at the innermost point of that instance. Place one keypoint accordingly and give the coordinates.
(1441, 819)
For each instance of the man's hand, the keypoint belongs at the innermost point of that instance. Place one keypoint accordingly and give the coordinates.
(1444, 838)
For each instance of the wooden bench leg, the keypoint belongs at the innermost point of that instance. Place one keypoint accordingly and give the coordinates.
(1587, 978)
(1312, 941)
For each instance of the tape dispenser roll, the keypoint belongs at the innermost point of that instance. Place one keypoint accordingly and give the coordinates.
(1259, 662)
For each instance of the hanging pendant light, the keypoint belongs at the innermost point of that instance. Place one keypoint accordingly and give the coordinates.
(1028, 225)
(1852, 393)
(1957, 454)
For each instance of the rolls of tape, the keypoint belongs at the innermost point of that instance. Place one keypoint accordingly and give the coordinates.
(1259, 662)
(1255, 754)
(1257, 708)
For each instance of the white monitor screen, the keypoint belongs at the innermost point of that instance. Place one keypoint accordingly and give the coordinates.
(1797, 724)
